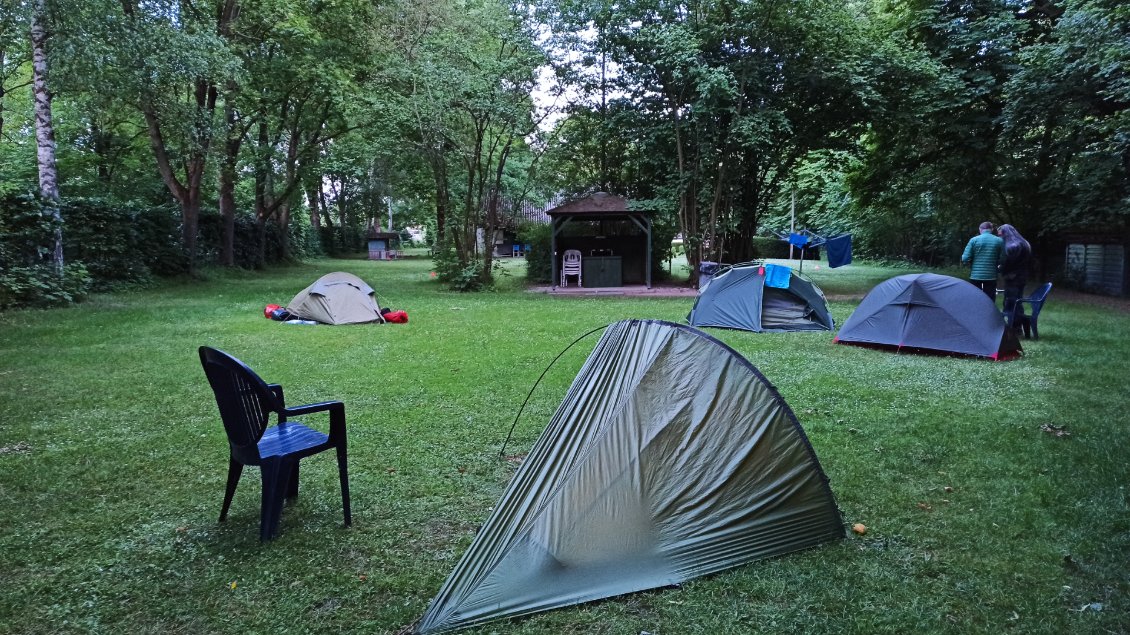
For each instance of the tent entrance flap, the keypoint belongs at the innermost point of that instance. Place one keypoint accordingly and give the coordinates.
(670, 457)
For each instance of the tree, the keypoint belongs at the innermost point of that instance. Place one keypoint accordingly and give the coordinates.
(998, 110)
(724, 99)
(169, 61)
(44, 129)
(14, 53)
(1066, 119)
(460, 91)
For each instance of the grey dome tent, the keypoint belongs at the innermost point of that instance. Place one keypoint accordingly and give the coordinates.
(927, 312)
(737, 297)
(336, 298)
(670, 457)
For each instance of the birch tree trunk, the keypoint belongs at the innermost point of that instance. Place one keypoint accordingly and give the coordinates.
(44, 129)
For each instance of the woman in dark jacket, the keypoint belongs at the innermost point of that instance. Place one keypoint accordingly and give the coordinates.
(1014, 262)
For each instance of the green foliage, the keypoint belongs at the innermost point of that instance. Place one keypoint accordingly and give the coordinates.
(112, 241)
(989, 112)
(337, 241)
(539, 258)
(765, 248)
(456, 274)
(42, 286)
(713, 107)
(26, 230)
(28, 274)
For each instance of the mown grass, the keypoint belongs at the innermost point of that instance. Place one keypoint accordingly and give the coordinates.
(112, 464)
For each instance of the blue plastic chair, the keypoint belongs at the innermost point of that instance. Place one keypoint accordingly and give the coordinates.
(246, 403)
(1037, 299)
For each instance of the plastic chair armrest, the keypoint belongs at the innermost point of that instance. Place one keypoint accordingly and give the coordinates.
(337, 416)
(314, 407)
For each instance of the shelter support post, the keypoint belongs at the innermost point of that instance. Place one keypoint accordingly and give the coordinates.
(644, 223)
(553, 255)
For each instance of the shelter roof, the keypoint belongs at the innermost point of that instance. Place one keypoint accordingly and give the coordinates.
(597, 204)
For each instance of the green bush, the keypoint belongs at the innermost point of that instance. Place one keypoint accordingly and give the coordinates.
(40, 286)
(158, 238)
(106, 239)
(28, 276)
(26, 231)
(539, 257)
(459, 276)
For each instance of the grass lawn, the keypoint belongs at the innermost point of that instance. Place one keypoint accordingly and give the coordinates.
(113, 460)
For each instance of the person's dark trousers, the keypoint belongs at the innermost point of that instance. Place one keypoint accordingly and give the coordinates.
(988, 286)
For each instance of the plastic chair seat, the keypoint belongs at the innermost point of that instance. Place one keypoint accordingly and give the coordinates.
(290, 438)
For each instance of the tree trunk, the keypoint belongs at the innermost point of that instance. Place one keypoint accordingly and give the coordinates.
(44, 129)
(227, 185)
(313, 200)
(284, 231)
(688, 210)
(2, 93)
(443, 200)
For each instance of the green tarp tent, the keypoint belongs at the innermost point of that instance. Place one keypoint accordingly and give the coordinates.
(336, 298)
(670, 457)
(737, 297)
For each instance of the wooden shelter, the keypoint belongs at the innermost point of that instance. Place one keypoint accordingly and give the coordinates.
(614, 240)
(382, 245)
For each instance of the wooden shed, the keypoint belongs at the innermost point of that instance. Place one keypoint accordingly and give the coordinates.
(1097, 262)
(383, 245)
(614, 240)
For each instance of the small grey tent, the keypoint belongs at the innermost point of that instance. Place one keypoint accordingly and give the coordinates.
(930, 313)
(744, 297)
(336, 298)
(670, 457)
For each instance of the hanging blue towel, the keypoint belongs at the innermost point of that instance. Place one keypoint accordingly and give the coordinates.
(798, 240)
(838, 250)
(777, 276)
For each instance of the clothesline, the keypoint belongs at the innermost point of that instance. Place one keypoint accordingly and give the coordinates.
(837, 248)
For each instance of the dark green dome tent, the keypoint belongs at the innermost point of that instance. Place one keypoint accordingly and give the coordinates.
(737, 297)
(930, 313)
(336, 298)
(670, 457)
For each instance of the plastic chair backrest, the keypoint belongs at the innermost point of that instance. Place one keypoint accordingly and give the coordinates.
(245, 402)
(572, 257)
(1038, 297)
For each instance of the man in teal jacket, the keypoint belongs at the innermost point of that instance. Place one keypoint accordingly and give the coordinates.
(983, 253)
